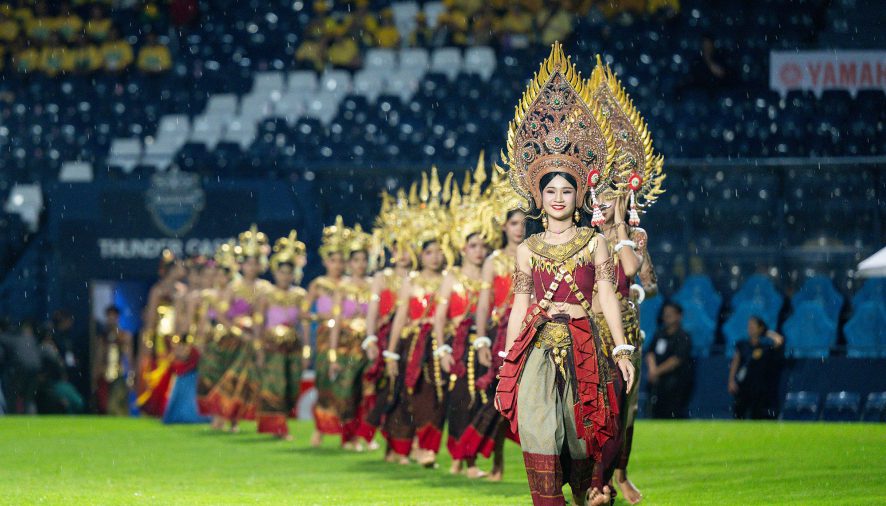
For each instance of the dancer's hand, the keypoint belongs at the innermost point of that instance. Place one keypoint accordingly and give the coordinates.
(392, 369)
(372, 352)
(484, 356)
(620, 209)
(627, 372)
(446, 362)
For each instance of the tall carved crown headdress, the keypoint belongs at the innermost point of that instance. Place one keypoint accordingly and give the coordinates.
(288, 250)
(559, 127)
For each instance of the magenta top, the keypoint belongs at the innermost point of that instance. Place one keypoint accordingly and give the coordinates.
(239, 307)
(324, 304)
(351, 308)
(281, 315)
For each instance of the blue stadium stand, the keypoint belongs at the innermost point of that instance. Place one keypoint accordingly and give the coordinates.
(802, 406)
(809, 332)
(865, 332)
(841, 407)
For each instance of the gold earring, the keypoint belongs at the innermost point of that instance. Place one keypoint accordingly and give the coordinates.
(544, 219)
(577, 216)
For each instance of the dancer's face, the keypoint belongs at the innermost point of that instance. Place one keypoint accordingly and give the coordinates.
(607, 205)
(358, 264)
(284, 275)
(475, 250)
(334, 264)
(515, 227)
(432, 257)
(250, 268)
(402, 258)
(558, 199)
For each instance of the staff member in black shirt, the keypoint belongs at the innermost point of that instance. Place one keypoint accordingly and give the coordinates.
(755, 370)
(669, 366)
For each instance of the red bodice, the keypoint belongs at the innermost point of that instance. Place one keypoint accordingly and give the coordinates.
(387, 301)
(622, 283)
(501, 291)
(584, 280)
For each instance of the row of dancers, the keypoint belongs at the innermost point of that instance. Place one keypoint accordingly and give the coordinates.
(443, 315)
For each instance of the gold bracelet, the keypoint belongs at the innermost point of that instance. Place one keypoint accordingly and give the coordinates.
(333, 355)
(306, 351)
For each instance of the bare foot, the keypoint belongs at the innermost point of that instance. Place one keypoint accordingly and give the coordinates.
(235, 428)
(286, 437)
(316, 439)
(598, 498)
(475, 472)
(404, 461)
(628, 490)
(391, 457)
(428, 459)
(217, 423)
(372, 446)
(455, 468)
(349, 446)
(495, 475)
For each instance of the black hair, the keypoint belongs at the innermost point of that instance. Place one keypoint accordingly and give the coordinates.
(351, 255)
(533, 217)
(760, 323)
(674, 305)
(287, 262)
(427, 243)
(112, 309)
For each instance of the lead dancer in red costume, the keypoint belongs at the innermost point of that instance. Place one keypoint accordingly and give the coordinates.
(557, 385)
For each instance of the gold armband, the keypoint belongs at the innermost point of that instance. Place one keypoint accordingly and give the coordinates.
(258, 319)
(336, 310)
(306, 351)
(522, 282)
(605, 271)
(257, 345)
(333, 356)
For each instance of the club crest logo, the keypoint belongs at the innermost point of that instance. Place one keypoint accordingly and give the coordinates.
(175, 200)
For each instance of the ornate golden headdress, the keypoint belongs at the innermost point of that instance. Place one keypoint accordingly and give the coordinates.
(558, 127)
(639, 171)
(252, 244)
(427, 215)
(224, 256)
(355, 239)
(470, 210)
(288, 250)
(332, 241)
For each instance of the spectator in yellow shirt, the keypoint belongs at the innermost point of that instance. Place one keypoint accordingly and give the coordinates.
(87, 58)
(312, 53)
(68, 24)
(386, 34)
(153, 57)
(422, 36)
(41, 26)
(25, 60)
(116, 53)
(98, 27)
(55, 58)
(9, 29)
(345, 52)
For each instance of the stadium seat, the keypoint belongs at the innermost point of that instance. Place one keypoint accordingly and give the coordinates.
(432, 11)
(255, 107)
(865, 332)
(841, 407)
(207, 131)
(378, 59)
(241, 132)
(700, 328)
(759, 287)
(809, 332)
(266, 83)
(403, 84)
(323, 106)
(874, 408)
(802, 406)
(404, 16)
(370, 83)
(223, 105)
(125, 153)
(820, 289)
(481, 61)
(873, 289)
(335, 82)
(302, 82)
(447, 61)
(698, 289)
(415, 60)
(75, 172)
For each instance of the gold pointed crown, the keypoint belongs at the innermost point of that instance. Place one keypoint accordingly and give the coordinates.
(288, 250)
(355, 239)
(333, 240)
(470, 211)
(558, 127)
(252, 243)
(427, 215)
(225, 257)
(638, 169)
(500, 200)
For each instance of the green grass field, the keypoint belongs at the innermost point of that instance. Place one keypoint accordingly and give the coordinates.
(90, 460)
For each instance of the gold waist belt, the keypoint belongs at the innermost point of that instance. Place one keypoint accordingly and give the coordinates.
(281, 334)
(557, 337)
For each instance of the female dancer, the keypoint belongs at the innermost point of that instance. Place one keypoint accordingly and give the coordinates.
(236, 393)
(424, 398)
(556, 383)
(346, 360)
(219, 346)
(640, 176)
(322, 293)
(487, 431)
(155, 353)
(284, 340)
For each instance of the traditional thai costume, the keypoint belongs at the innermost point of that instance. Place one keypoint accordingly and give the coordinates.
(348, 383)
(156, 374)
(557, 385)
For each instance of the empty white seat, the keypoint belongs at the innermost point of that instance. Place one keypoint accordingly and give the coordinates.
(207, 130)
(369, 83)
(302, 80)
(404, 16)
(378, 58)
(432, 12)
(222, 105)
(414, 58)
(75, 172)
(241, 131)
(255, 107)
(335, 81)
(25, 200)
(323, 106)
(125, 153)
(160, 152)
(178, 124)
(402, 84)
(446, 60)
(291, 106)
(266, 82)
(480, 60)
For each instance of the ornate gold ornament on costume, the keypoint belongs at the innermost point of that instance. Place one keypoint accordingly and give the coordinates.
(289, 250)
